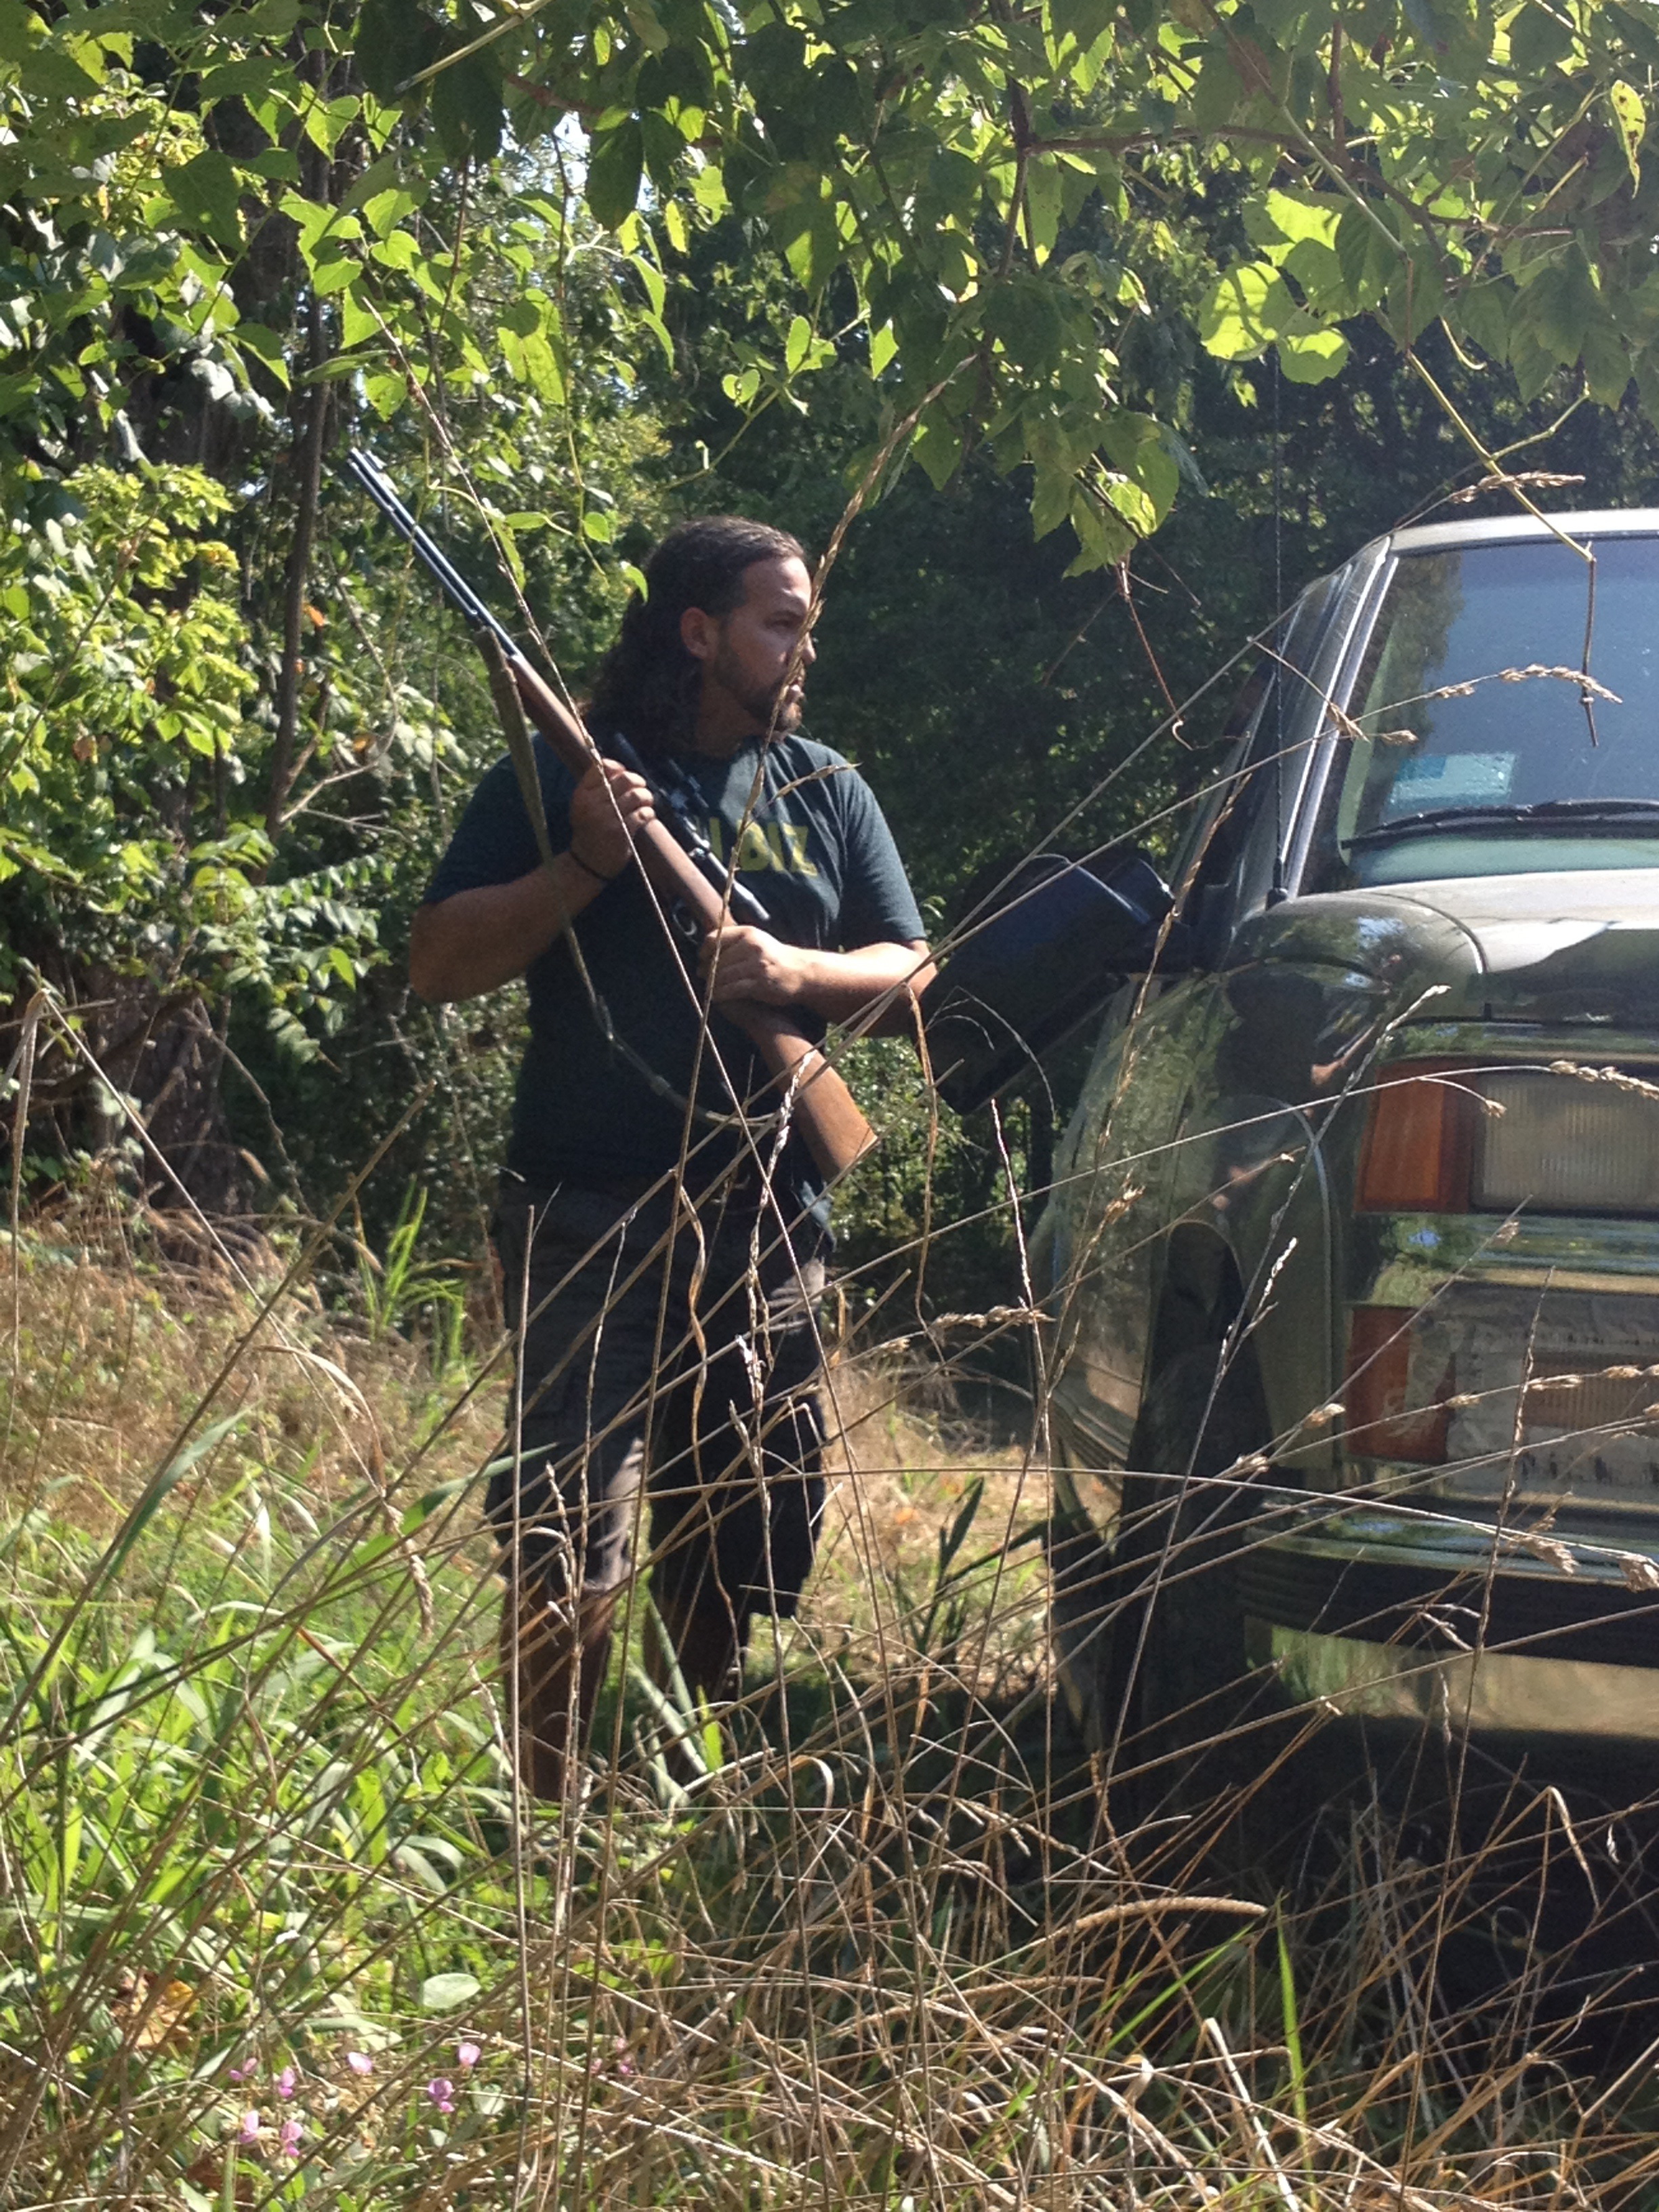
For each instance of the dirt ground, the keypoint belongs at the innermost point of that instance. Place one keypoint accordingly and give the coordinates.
(930, 1545)
(908, 1474)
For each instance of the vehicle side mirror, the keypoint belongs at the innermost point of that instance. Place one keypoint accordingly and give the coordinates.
(1060, 939)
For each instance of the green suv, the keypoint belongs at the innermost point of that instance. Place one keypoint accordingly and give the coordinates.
(1350, 1266)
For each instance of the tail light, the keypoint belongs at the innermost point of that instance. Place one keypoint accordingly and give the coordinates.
(1561, 1142)
(1417, 1144)
(1445, 1137)
(1393, 1414)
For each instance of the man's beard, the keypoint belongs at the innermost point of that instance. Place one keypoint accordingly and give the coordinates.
(783, 707)
(774, 708)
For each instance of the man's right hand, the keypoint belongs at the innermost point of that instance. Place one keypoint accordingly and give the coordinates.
(608, 808)
(474, 940)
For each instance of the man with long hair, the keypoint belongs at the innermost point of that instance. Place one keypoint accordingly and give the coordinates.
(662, 1250)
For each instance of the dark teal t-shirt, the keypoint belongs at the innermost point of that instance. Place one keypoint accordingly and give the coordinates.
(814, 848)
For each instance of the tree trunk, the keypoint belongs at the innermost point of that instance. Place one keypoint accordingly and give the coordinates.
(309, 454)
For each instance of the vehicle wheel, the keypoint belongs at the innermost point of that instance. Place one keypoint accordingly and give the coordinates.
(1180, 1672)
(1082, 1590)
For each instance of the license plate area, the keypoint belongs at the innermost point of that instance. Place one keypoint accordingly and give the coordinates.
(1550, 1394)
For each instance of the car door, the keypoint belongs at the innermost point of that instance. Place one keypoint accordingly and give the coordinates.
(1144, 1153)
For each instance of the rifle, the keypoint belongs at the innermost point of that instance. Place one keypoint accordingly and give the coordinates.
(679, 862)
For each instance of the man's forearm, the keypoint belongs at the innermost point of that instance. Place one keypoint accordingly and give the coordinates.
(479, 940)
(842, 985)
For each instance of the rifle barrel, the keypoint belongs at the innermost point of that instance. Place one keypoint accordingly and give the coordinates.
(366, 471)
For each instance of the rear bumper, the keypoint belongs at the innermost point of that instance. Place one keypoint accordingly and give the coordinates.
(1451, 1624)
(1472, 1693)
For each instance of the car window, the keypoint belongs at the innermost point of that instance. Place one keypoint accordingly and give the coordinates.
(1225, 869)
(1474, 747)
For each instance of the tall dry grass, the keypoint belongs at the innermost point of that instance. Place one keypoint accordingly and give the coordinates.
(277, 1925)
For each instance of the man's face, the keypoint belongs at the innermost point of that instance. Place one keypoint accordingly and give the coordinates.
(748, 655)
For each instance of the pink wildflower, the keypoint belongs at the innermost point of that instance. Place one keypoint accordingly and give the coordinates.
(359, 2061)
(467, 2054)
(287, 2138)
(250, 2131)
(285, 2083)
(442, 2093)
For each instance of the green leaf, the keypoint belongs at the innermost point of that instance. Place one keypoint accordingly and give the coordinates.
(51, 73)
(156, 1491)
(358, 326)
(21, 30)
(327, 121)
(386, 392)
(533, 361)
(802, 216)
(277, 164)
(384, 211)
(1051, 500)
(1082, 21)
(1023, 313)
(652, 277)
(1368, 256)
(1318, 269)
(1532, 364)
(399, 251)
(1537, 37)
(1218, 91)
(1245, 311)
(466, 108)
(1483, 313)
(1103, 538)
(1415, 298)
(1556, 308)
(265, 346)
(796, 345)
(395, 41)
(937, 447)
(950, 1540)
(333, 276)
(524, 315)
(1280, 220)
(1606, 363)
(1044, 194)
(1430, 21)
(206, 193)
(1647, 382)
(1136, 445)
(1631, 118)
(443, 1992)
(614, 169)
(1313, 356)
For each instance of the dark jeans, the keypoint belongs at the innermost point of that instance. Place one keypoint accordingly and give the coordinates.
(666, 1377)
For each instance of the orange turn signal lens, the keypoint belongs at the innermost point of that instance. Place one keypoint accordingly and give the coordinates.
(1417, 1142)
(1382, 1420)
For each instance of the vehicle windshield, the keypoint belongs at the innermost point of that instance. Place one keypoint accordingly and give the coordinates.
(1474, 747)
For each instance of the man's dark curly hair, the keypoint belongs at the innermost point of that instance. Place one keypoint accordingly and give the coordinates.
(648, 686)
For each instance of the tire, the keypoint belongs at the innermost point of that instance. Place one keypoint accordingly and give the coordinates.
(1082, 1585)
(1179, 1668)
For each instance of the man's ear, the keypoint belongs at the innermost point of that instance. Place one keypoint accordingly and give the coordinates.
(699, 633)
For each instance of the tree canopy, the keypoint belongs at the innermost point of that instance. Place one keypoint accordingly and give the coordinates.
(571, 264)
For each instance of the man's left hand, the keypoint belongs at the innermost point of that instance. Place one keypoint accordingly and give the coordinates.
(746, 962)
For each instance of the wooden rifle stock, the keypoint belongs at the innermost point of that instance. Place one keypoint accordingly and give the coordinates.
(825, 1109)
